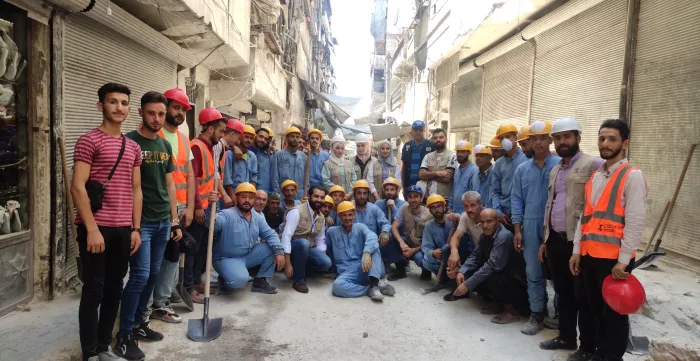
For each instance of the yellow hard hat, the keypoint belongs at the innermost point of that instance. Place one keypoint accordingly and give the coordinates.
(506, 128)
(268, 130)
(524, 133)
(540, 128)
(482, 149)
(289, 182)
(360, 184)
(435, 198)
(391, 180)
(464, 145)
(245, 187)
(336, 188)
(316, 131)
(495, 143)
(345, 206)
(292, 130)
(248, 129)
(329, 200)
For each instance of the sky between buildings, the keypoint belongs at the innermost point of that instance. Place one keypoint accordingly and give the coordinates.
(350, 25)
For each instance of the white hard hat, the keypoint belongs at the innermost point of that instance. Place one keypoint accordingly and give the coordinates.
(566, 124)
(338, 138)
(362, 138)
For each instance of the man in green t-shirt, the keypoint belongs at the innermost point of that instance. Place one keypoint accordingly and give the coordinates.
(159, 222)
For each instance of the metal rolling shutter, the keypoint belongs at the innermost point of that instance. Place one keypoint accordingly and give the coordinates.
(578, 69)
(506, 90)
(664, 118)
(95, 55)
(465, 106)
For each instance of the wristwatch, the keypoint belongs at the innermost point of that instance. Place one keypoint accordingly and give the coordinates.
(175, 220)
(137, 230)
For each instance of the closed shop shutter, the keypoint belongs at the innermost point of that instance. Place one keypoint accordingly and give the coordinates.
(95, 55)
(507, 82)
(578, 69)
(465, 107)
(664, 117)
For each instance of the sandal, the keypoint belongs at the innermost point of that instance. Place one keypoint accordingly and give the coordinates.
(491, 310)
(505, 318)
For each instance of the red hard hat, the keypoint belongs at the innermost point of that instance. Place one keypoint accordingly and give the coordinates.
(235, 124)
(179, 96)
(209, 114)
(624, 296)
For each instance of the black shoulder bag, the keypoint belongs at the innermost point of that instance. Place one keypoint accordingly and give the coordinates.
(96, 190)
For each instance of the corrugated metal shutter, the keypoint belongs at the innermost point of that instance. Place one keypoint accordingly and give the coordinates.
(578, 69)
(506, 90)
(465, 107)
(664, 119)
(95, 55)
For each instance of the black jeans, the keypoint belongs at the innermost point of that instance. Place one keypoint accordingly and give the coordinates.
(610, 329)
(466, 246)
(193, 260)
(102, 287)
(505, 290)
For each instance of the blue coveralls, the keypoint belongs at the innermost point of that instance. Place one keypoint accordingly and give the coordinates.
(286, 165)
(376, 221)
(264, 169)
(394, 211)
(237, 246)
(347, 249)
(502, 181)
(237, 171)
(317, 161)
(464, 180)
(529, 199)
(485, 188)
(435, 236)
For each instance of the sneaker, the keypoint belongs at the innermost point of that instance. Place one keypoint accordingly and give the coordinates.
(375, 294)
(426, 275)
(146, 333)
(534, 325)
(128, 348)
(166, 314)
(108, 356)
(580, 355)
(557, 344)
(386, 289)
(175, 298)
(261, 285)
(300, 287)
(551, 323)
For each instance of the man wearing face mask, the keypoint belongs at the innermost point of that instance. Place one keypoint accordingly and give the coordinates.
(438, 167)
(503, 171)
(466, 176)
(338, 170)
(264, 155)
(529, 199)
(524, 141)
(496, 149)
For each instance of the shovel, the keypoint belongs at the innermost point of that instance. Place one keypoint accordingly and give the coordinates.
(180, 287)
(206, 330)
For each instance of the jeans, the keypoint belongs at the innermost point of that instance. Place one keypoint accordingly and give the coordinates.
(305, 257)
(144, 269)
(193, 263)
(102, 287)
(234, 271)
(392, 251)
(533, 232)
(352, 282)
(164, 283)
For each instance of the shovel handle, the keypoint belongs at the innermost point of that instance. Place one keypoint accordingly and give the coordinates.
(210, 242)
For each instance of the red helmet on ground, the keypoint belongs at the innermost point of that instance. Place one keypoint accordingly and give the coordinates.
(624, 296)
(209, 114)
(179, 96)
(235, 124)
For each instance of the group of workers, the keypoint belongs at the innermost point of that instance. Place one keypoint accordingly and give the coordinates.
(145, 202)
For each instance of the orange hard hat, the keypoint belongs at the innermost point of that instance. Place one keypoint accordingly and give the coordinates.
(179, 96)
(624, 296)
(208, 115)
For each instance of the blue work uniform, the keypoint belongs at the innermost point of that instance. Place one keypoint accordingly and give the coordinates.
(464, 180)
(347, 249)
(485, 188)
(284, 208)
(264, 169)
(435, 236)
(237, 171)
(316, 164)
(502, 181)
(529, 199)
(394, 211)
(373, 218)
(288, 165)
(237, 246)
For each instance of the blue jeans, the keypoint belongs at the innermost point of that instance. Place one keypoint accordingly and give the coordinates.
(144, 266)
(304, 257)
(164, 283)
(533, 233)
(352, 282)
(234, 271)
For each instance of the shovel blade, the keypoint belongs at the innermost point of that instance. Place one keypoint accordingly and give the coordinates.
(200, 331)
(184, 295)
(648, 260)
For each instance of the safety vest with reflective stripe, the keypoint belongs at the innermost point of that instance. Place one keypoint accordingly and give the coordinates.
(181, 166)
(206, 181)
(603, 224)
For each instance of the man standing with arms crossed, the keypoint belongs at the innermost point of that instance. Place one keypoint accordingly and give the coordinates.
(318, 157)
(413, 153)
(290, 163)
(264, 154)
(107, 235)
(466, 177)
(438, 168)
(503, 170)
(607, 234)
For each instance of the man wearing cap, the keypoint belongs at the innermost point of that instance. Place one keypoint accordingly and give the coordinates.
(289, 194)
(391, 199)
(523, 139)
(364, 157)
(438, 167)
(413, 153)
(318, 157)
(566, 200)
(245, 169)
(264, 155)
(338, 170)
(496, 149)
(359, 265)
(503, 171)
(237, 246)
(289, 163)
(466, 177)
(482, 155)
(529, 199)
(304, 239)
(407, 231)
(369, 214)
